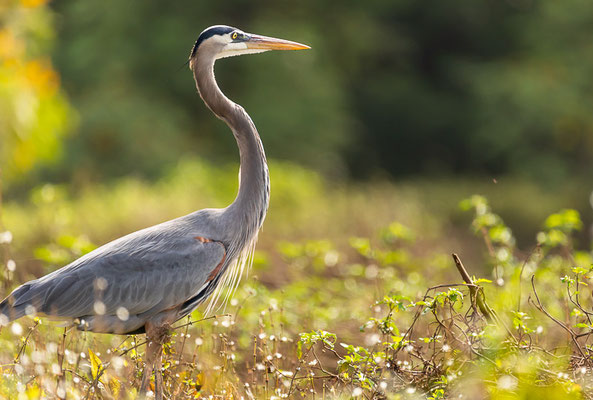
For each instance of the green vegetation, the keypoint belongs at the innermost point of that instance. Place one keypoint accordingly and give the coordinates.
(34, 113)
(383, 316)
(354, 292)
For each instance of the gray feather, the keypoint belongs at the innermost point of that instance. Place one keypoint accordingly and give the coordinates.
(147, 272)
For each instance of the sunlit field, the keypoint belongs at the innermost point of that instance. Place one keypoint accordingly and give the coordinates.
(335, 306)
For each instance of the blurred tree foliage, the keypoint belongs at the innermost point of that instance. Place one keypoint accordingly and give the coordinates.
(398, 87)
(34, 115)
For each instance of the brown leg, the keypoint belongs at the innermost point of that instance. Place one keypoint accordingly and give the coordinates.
(150, 355)
(158, 379)
(156, 336)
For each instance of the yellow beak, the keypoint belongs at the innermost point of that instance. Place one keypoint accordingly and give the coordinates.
(270, 43)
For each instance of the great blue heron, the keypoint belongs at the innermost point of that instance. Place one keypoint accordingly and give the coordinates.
(147, 280)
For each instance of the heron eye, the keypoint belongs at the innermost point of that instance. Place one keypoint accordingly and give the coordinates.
(234, 35)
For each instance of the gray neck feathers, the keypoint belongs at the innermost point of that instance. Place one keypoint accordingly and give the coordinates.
(246, 214)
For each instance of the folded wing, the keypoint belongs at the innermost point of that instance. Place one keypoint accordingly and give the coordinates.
(136, 277)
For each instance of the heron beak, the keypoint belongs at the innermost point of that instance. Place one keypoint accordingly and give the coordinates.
(268, 43)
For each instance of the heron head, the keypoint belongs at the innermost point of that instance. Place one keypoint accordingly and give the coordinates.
(225, 41)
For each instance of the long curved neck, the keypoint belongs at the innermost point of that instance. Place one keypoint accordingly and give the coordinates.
(251, 204)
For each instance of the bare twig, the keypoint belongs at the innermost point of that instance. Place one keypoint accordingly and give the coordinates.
(473, 290)
(531, 253)
(25, 342)
(477, 296)
(540, 307)
(61, 383)
(201, 320)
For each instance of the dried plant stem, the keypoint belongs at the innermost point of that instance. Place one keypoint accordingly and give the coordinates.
(61, 383)
(540, 307)
(477, 297)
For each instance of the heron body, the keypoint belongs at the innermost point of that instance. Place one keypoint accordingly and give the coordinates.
(153, 277)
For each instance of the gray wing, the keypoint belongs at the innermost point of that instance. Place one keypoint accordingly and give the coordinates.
(146, 273)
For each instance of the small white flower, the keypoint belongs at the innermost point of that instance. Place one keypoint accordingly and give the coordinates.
(36, 357)
(372, 340)
(55, 369)
(331, 258)
(52, 347)
(17, 329)
(507, 382)
(117, 362)
(5, 237)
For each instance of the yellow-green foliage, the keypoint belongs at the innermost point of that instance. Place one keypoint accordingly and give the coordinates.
(373, 309)
(34, 112)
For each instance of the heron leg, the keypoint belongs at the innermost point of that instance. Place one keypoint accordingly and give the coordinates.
(155, 336)
(158, 378)
(150, 355)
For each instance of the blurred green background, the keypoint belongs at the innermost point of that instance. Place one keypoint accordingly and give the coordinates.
(390, 88)
(430, 101)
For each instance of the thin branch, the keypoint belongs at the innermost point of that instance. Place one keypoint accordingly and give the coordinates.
(540, 307)
(531, 253)
(477, 295)
(201, 320)
(473, 290)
